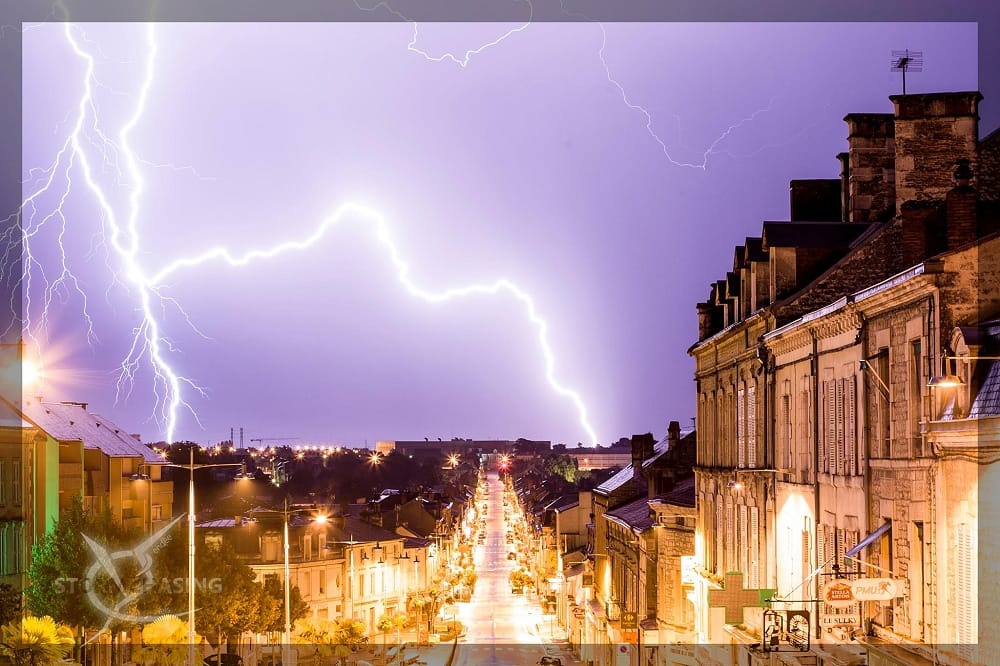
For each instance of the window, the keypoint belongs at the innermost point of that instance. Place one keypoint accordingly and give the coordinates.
(743, 545)
(730, 537)
(966, 589)
(916, 397)
(3, 482)
(851, 427)
(884, 443)
(741, 442)
(785, 431)
(751, 419)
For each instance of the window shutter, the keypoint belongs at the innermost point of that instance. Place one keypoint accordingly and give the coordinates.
(831, 426)
(720, 536)
(786, 433)
(965, 589)
(743, 546)
(730, 539)
(754, 551)
(740, 438)
(839, 439)
(751, 418)
(851, 439)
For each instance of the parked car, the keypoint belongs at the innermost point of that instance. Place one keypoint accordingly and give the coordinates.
(224, 660)
(550, 661)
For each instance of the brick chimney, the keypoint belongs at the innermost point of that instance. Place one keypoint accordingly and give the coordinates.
(960, 206)
(673, 435)
(932, 132)
(705, 327)
(868, 167)
(642, 449)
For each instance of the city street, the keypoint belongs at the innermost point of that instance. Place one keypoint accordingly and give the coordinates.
(501, 627)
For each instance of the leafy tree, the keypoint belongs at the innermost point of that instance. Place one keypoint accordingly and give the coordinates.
(35, 641)
(10, 603)
(299, 608)
(60, 561)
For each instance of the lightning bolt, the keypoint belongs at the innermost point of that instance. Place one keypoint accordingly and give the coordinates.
(150, 346)
(461, 61)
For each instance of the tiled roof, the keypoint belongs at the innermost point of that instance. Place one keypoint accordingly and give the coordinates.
(682, 495)
(617, 481)
(986, 402)
(565, 503)
(73, 423)
(662, 446)
(635, 514)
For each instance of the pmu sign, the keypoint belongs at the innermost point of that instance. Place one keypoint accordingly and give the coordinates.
(874, 589)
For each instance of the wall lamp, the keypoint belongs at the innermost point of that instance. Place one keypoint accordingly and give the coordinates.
(949, 380)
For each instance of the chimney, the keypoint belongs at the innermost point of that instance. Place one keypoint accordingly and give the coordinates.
(960, 205)
(869, 167)
(704, 320)
(673, 435)
(932, 132)
(814, 200)
(642, 448)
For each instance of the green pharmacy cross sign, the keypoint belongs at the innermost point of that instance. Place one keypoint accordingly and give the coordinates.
(734, 597)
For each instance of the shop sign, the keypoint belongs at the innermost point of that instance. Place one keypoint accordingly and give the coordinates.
(629, 620)
(846, 620)
(838, 594)
(579, 612)
(874, 589)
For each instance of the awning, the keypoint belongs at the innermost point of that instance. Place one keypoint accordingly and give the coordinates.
(868, 540)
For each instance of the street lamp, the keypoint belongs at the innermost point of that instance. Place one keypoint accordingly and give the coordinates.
(320, 519)
(191, 518)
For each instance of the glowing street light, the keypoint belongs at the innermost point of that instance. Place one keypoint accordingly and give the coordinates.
(192, 467)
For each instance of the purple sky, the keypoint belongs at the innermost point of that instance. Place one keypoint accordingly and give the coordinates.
(525, 164)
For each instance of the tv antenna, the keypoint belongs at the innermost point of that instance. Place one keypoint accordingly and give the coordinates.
(907, 61)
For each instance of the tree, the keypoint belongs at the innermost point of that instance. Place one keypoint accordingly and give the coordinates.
(35, 641)
(300, 609)
(60, 561)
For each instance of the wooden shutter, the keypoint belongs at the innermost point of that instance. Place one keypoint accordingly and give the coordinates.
(851, 431)
(743, 545)
(965, 588)
(786, 433)
(751, 418)
(719, 535)
(730, 538)
(741, 453)
(839, 436)
(755, 553)
(831, 426)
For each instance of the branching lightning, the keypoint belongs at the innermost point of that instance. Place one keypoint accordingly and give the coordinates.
(150, 346)
(461, 61)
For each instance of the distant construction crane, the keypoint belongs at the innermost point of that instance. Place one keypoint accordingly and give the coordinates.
(272, 439)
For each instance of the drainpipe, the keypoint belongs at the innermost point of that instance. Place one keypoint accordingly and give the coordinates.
(814, 371)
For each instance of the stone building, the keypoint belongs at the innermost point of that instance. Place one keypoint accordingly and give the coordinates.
(836, 354)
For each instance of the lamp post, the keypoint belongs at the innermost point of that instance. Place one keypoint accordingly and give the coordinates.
(191, 467)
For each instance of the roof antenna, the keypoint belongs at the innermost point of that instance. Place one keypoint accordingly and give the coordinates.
(907, 60)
